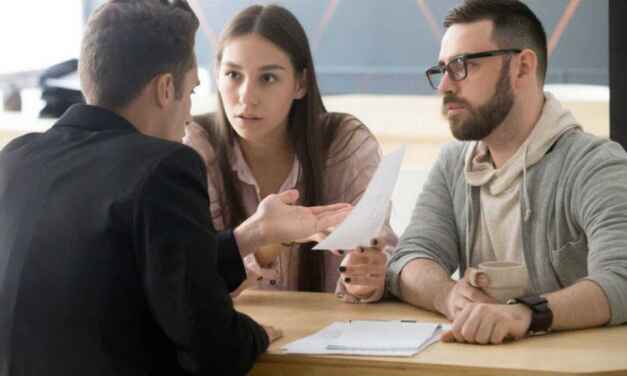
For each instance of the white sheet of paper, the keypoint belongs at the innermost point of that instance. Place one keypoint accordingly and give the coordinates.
(317, 342)
(328, 341)
(384, 335)
(368, 216)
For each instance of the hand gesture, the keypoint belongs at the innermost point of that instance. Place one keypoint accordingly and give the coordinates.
(282, 221)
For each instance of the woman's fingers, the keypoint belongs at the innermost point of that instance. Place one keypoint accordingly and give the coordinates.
(361, 269)
(373, 280)
(363, 274)
(378, 243)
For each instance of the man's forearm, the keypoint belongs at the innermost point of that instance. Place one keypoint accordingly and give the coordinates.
(582, 305)
(425, 284)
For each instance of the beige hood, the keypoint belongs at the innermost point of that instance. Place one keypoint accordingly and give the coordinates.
(553, 122)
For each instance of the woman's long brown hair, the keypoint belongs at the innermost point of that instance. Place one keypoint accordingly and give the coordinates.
(309, 130)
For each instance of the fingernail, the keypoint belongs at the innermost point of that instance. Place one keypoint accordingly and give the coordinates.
(347, 280)
(342, 269)
(341, 252)
(374, 242)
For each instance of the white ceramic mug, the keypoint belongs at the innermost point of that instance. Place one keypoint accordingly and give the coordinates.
(506, 279)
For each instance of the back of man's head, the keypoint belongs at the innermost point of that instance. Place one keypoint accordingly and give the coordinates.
(127, 43)
(515, 25)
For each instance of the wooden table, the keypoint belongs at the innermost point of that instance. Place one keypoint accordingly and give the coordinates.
(600, 351)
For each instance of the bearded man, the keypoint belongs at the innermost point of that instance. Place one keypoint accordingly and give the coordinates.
(524, 185)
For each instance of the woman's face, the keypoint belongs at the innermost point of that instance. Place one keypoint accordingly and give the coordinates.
(257, 84)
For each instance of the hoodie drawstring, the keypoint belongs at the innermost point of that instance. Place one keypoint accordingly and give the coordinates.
(524, 186)
(468, 208)
(524, 182)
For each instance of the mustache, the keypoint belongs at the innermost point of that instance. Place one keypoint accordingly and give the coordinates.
(449, 98)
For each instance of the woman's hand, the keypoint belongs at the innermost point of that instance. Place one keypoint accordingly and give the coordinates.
(363, 271)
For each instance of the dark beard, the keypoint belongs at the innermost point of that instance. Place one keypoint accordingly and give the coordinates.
(486, 118)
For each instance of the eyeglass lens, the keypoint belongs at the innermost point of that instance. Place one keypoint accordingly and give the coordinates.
(456, 70)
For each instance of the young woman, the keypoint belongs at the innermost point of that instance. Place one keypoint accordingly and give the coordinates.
(270, 133)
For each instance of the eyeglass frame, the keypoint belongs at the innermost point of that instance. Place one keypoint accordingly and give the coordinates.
(444, 68)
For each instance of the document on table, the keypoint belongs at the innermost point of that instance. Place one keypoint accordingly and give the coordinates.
(369, 338)
(367, 217)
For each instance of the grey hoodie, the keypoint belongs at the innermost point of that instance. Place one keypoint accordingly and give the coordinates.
(498, 235)
(574, 201)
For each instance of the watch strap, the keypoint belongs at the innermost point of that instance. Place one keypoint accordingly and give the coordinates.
(541, 314)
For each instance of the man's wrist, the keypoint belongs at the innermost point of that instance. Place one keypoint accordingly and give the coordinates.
(249, 235)
(526, 315)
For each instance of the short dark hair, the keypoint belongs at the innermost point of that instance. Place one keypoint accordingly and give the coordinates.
(129, 42)
(515, 25)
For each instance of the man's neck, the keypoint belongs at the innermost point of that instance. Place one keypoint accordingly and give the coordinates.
(135, 114)
(504, 141)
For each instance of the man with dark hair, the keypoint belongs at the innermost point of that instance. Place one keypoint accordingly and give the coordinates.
(525, 185)
(514, 25)
(110, 264)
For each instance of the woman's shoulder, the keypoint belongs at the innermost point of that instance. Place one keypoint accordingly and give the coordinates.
(341, 121)
(348, 137)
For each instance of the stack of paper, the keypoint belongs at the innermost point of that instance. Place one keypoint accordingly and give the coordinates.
(374, 338)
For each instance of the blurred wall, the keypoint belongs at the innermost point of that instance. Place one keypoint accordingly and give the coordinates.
(383, 47)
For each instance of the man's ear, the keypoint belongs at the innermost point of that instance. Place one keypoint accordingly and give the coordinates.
(526, 67)
(301, 90)
(164, 84)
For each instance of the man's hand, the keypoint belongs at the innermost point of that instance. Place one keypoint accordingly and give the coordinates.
(282, 221)
(272, 333)
(277, 220)
(363, 271)
(462, 294)
(489, 323)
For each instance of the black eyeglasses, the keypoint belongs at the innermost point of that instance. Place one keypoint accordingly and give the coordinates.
(457, 68)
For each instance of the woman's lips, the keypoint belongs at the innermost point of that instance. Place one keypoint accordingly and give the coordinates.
(248, 117)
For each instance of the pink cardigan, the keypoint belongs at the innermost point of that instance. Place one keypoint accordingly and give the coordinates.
(349, 169)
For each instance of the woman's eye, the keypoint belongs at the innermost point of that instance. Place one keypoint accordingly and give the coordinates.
(232, 75)
(268, 78)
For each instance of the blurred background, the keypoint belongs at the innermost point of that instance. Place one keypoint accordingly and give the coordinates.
(370, 57)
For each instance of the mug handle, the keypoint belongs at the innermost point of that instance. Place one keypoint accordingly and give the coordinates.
(473, 275)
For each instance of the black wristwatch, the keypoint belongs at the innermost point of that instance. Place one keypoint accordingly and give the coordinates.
(541, 314)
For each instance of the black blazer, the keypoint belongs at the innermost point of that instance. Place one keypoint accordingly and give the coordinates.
(109, 263)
